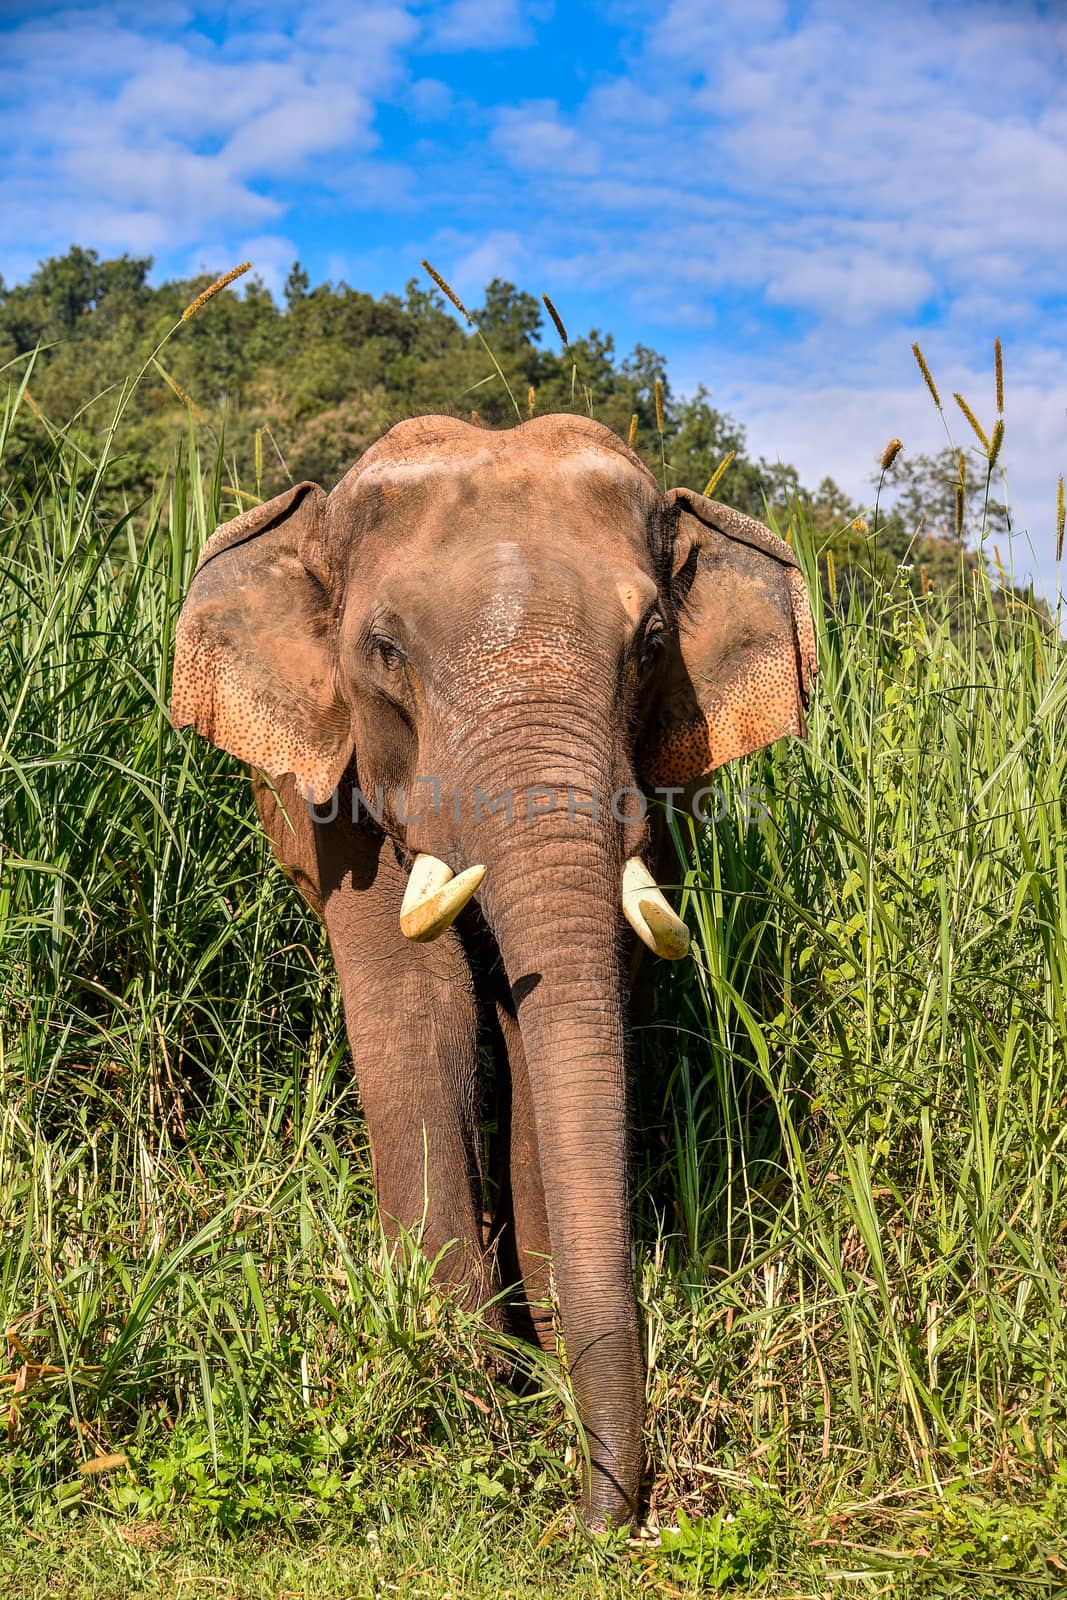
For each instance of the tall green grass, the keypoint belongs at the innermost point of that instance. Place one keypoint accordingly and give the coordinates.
(850, 1109)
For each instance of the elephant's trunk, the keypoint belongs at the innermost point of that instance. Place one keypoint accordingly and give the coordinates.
(572, 1037)
(552, 896)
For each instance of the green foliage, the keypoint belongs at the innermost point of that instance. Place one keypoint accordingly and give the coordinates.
(851, 1210)
(730, 1550)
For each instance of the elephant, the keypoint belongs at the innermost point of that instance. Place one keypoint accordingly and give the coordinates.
(457, 676)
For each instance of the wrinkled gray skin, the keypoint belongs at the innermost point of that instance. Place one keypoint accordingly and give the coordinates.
(484, 608)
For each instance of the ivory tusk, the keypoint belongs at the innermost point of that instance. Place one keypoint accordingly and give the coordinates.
(434, 898)
(649, 915)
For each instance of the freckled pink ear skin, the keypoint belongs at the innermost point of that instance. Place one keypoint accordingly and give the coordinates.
(742, 671)
(255, 645)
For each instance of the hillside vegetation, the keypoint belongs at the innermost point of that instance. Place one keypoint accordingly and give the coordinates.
(850, 1108)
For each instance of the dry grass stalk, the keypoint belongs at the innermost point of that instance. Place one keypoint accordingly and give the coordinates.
(632, 440)
(928, 376)
(890, 453)
(556, 318)
(998, 563)
(717, 475)
(972, 419)
(998, 364)
(215, 288)
(447, 290)
(961, 495)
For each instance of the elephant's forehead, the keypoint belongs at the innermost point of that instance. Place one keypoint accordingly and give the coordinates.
(438, 504)
(491, 468)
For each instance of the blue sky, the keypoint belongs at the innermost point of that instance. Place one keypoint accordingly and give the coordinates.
(779, 196)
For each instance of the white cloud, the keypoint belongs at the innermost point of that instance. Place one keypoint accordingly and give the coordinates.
(883, 163)
(851, 284)
(118, 137)
(534, 138)
(500, 254)
(483, 24)
(429, 98)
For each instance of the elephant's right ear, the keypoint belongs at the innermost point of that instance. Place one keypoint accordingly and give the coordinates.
(255, 649)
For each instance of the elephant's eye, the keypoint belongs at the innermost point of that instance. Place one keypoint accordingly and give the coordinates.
(388, 653)
(653, 637)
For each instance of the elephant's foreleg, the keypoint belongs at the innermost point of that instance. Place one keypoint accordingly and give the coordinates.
(413, 1029)
(522, 1221)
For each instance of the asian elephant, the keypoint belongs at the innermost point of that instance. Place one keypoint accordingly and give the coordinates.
(473, 657)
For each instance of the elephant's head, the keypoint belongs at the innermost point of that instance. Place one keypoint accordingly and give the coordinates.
(494, 611)
(524, 618)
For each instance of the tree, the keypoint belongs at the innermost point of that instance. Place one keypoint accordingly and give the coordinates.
(63, 291)
(296, 285)
(509, 318)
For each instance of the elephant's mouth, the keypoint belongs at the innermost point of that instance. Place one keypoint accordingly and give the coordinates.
(435, 896)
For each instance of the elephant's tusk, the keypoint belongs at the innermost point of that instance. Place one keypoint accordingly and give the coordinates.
(434, 898)
(649, 915)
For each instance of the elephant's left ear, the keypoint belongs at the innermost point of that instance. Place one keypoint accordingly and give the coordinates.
(740, 669)
(255, 649)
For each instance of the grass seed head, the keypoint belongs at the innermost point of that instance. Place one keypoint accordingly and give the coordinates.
(995, 441)
(972, 419)
(632, 440)
(447, 290)
(928, 376)
(1059, 518)
(659, 405)
(531, 400)
(556, 318)
(215, 288)
(890, 453)
(98, 1464)
(998, 365)
(831, 576)
(717, 475)
(924, 581)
